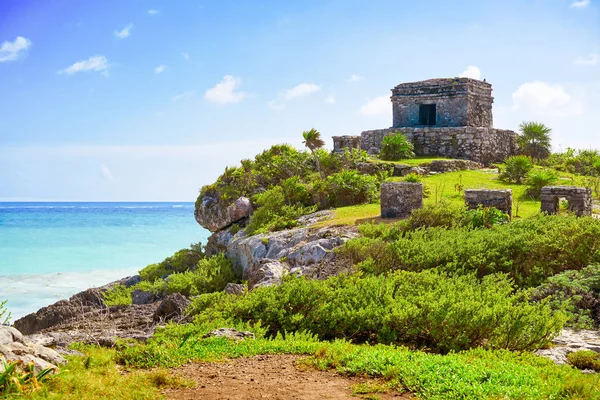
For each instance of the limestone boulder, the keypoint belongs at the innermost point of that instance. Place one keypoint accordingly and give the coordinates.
(229, 333)
(213, 215)
(172, 307)
(570, 341)
(15, 347)
(235, 288)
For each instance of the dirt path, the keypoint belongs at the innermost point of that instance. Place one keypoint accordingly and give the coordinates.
(267, 377)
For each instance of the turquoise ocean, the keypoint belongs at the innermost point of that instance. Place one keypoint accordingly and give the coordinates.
(50, 251)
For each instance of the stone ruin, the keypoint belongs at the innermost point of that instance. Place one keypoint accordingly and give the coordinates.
(500, 199)
(345, 142)
(442, 117)
(580, 199)
(398, 199)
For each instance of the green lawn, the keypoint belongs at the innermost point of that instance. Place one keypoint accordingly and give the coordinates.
(446, 186)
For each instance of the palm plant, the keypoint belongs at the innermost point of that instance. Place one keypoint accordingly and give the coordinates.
(313, 141)
(534, 140)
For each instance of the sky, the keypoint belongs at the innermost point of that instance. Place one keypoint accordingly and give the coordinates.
(147, 100)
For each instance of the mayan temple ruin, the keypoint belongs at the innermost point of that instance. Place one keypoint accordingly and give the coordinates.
(450, 117)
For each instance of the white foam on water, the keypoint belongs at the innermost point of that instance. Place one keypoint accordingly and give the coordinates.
(27, 293)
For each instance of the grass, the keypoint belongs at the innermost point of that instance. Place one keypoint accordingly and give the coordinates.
(445, 186)
(97, 376)
(475, 374)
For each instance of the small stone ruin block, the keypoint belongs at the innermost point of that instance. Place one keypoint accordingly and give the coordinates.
(500, 199)
(398, 199)
(345, 142)
(580, 199)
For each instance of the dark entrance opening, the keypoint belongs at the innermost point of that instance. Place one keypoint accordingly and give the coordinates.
(426, 114)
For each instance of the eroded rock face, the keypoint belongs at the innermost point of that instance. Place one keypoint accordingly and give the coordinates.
(172, 307)
(14, 346)
(570, 341)
(212, 215)
(264, 259)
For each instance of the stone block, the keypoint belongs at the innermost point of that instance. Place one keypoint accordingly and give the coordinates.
(580, 199)
(500, 199)
(398, 199)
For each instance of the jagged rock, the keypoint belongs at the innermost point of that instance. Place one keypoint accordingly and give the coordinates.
(265, 272)
(570, 341)
(131, 280)
(417, 170)
(172, 307)
(235, 288)
(142, 297)
(229, 333)
(401, 170)
(14, 346)
(214, 216)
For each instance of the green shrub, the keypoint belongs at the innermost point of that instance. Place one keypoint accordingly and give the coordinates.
(348, 188)
(425, 309)
(211, 275)
(528, 250)
(18, 379)
(486, 217)
(4, 313)
(117, 295)
(396, 147)
(412, 177)
(273, 213)
(537, 179)
(183, 260)
(577, 293)
(516, 169)
(442, 214)
(584, 359)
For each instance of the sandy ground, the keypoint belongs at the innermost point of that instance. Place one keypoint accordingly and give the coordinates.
(268, 377)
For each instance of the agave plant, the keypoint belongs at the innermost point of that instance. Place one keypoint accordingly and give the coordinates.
(16, 378)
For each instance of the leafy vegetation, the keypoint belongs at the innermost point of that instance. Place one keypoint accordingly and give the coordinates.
(396, 147)
(182, 261)
(516, 169)
(585, 359)
(534, 140)
(528, 250)
(4, 313)
(313, 141)
(17, 378)
(537, 179)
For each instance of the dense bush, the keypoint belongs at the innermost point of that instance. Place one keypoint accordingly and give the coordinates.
(211, 275)
(516, 169)
(575, 292)
(486, 217)
(537, 179)
(584, 162)
(396, 147)
(347, 188)
(183, 260)
(528, 250)
(585, 359)
(273, 213)
(424, 309)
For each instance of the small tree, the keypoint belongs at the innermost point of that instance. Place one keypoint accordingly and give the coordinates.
(313, 141)
(396, 147)
(534, 140)
(516, 169)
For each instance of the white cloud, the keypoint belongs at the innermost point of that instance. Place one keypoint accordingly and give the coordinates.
(186, 56)
(106, 173)
(95, 63)
(160, 68)
(10, 51)
(330, 99)
(152, 12)
(591, 59)
(224, 92)
(355, 78)
(580, 4)
(124, 33)
(183, 96)
(544, 99)
(471, 72)
(301, 90)
(380, 105)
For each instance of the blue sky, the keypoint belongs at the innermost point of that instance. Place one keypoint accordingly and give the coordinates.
(150, 100)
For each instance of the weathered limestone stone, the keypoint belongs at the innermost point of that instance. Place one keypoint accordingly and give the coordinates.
(500, 199)
(229, 333)
(14, 346)
(398, 199)
(235, 288)
(172, 307)
(570, 341)
(580, 199)
(345, 142)
(214, 216)
(142, 297)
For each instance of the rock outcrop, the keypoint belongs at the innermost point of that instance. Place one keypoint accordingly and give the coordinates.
(570, 341)
(229, 333)
(14, 346)
(263, 259)
(213, 215)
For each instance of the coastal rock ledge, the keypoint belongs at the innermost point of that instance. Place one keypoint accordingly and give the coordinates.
(15, 347)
